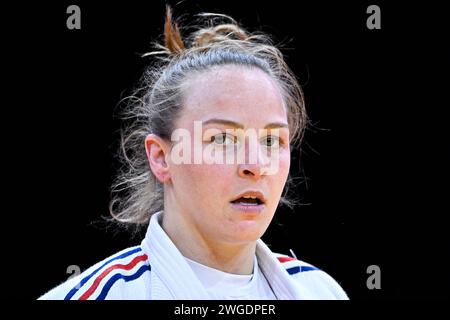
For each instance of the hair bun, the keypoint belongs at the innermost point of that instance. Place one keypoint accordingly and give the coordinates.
(222, 32)
(203, 37)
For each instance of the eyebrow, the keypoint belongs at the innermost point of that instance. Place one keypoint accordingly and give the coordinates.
(240, 126)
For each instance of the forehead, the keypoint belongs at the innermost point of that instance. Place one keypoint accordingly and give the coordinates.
(243, 94)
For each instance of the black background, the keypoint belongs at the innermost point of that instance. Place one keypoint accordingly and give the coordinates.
(375, 163)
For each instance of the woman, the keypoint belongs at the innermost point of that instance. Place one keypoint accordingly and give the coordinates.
(207, 157)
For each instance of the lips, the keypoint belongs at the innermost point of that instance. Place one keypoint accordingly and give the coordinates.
(249, 198)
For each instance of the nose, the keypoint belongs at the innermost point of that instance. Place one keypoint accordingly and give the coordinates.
(254, 163)
(252, 171)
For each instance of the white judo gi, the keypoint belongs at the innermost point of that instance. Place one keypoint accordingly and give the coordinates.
(157, 270)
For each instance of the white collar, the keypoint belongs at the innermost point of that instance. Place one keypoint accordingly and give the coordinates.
(174, 273)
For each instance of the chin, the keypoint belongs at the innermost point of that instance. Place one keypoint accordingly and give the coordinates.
(247, 231)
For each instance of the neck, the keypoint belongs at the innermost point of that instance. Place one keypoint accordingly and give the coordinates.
(227, 257)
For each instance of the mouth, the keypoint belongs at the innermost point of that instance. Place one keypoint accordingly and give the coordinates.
(251, 201)
(248, 201)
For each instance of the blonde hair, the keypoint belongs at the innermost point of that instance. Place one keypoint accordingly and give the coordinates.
(218, 40)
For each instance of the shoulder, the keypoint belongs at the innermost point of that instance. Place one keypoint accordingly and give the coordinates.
(319, 283)
(112, 278)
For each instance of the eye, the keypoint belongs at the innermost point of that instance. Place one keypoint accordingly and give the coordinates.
(272, 141)
(223, 139)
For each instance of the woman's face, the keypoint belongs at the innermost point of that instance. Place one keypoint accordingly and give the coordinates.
(221, 101)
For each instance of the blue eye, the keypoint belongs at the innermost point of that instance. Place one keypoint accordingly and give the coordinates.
(272, 141)
(223, 139)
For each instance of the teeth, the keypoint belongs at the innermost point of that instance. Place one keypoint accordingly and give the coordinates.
(248, 197)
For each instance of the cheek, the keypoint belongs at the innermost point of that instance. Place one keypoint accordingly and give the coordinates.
(280, 177)
(203, 179)
(285, 162)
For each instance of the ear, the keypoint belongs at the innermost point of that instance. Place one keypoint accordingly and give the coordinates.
(157, 149)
